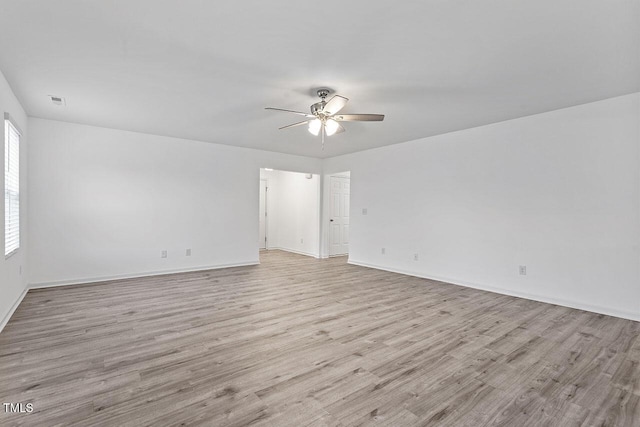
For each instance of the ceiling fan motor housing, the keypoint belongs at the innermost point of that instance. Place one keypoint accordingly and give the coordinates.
(317, 107)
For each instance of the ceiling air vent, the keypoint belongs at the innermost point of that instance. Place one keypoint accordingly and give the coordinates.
(57, 100)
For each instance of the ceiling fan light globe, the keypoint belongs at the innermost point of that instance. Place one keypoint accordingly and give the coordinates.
(314, 126)
(331, 127)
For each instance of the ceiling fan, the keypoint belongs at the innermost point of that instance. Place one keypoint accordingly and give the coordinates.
(324, 118)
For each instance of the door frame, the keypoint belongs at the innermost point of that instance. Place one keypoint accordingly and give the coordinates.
(266, 217)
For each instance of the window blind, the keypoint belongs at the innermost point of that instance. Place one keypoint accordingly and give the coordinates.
(11, 188)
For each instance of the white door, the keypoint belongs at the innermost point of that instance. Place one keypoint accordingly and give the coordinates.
(263, 214)
(339, 216)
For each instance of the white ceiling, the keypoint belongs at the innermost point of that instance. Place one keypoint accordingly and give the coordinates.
(205, 70)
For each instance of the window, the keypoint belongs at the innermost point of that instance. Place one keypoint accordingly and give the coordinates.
(11, 187)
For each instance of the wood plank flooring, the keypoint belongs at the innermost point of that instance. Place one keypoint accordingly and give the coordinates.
(300, 342)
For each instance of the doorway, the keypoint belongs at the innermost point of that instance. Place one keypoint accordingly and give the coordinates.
(290, 212)
(339, 200)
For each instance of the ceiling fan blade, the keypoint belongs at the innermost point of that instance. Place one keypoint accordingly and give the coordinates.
(300, 113)
(335, 104)
(295, 124)
(359, 117)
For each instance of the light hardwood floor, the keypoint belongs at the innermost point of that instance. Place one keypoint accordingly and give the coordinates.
(299, 342)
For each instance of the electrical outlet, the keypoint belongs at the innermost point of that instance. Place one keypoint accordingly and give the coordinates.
(301, 240)
(523, 270)
(163, 254)
(188, 252)
(415, 257)
(364, 211)
(383, 251)
(21, 270)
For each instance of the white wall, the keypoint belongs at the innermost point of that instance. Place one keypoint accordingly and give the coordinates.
(557, 192)
(13, 271)
(106, 202)
(293, 212)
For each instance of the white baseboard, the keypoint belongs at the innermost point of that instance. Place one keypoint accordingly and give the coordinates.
(13, 308)
(97, 279)
(541, 298)
(295, 252)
